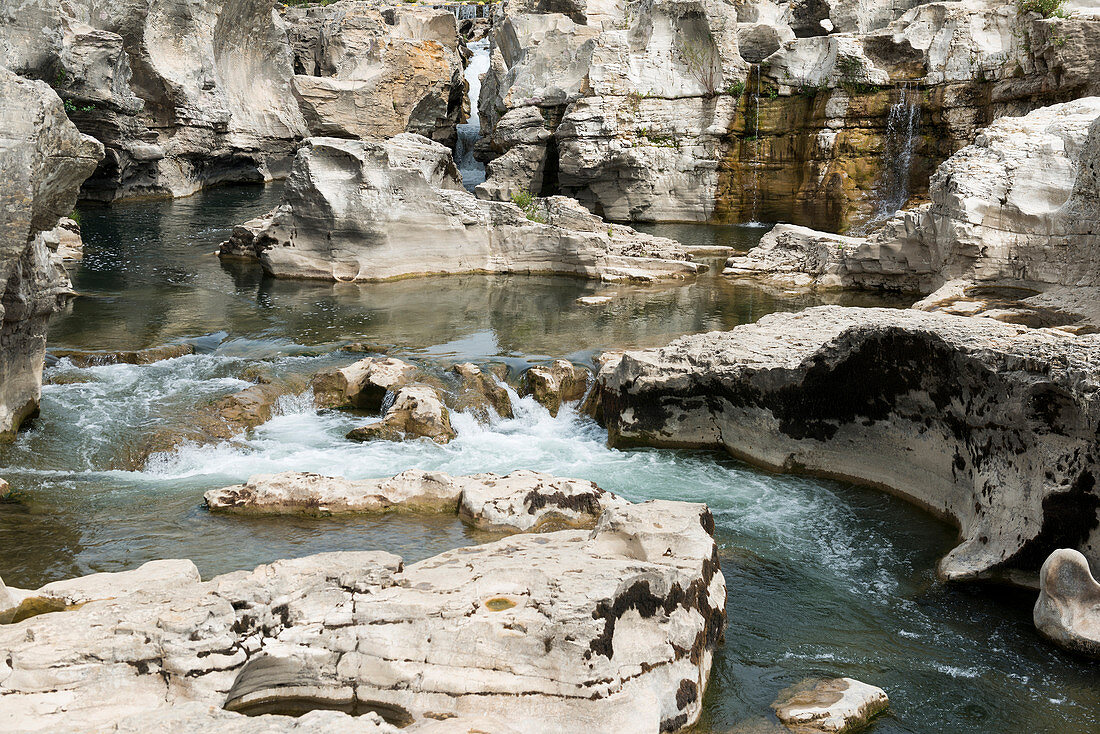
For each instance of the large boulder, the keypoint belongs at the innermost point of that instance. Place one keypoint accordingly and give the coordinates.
(559, 382)
(361, 210)
(1067, 611)
(43, 161)
(489, 632)
(362, 385)
(991, 425)
(182, 94)
(376, 69)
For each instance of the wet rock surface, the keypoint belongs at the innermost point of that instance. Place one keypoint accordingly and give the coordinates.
(832, 705)
(628, 639)
(362, 385)
(84, 358)
(551, 385)
(417, 411)
(988, 424)
(1068, 609)
(408, 214)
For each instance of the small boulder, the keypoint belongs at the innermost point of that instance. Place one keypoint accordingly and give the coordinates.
(418, 410)
(1068, 609)
(361, 385)
(481, 392)
(527, 501)
(554, 384)
(832, 705)
(84, 358)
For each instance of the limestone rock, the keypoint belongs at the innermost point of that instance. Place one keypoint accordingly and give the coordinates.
(523, 501)
(417, 411)
(360, 210)
(554, 384)
(149, 355)
(400, 62)
(831, 705)
(629, 638)
(154, 575)
(480, 392)
(64, 241)
(304, 493)
(5, 489)
(43, 161)
(1068, 609)
(363, 384)
(243, 410)
(989, 424)
(183, 95)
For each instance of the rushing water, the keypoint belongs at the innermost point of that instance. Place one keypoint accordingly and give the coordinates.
(473, 172)
(902, 129)
(824, 578)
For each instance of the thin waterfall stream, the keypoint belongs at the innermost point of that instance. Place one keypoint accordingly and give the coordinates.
(472, 170)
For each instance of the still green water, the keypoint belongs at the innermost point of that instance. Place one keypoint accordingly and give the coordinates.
(824, 578)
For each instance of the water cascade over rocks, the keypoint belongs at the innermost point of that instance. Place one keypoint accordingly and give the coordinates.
(469, 132)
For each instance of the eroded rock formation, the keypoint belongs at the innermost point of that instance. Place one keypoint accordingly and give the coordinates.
(43, 161)
(1067, 611)
(490, 633)
(991, 425)
(360, 210)
(417, 411)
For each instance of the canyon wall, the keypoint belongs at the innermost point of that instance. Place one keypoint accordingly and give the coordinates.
(43, 161)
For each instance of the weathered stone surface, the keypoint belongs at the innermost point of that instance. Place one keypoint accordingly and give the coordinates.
(1067, 611)
(417, 411)
(5, 489)
(628, 640)
(83, 358)
(377, 69)
(183, 95)
(43, 161)
(358, 210)
(64, 241)
(830, 706)
(480, 392)
(989, 424)
(522, 501)
(245, 409)
(363, 384)
(551, 385)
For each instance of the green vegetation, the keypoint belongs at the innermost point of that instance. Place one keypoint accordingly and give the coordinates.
(659, 140)
(702, 61)
(75, 216)
(735, 89)
(527, 201)
(1045, 8)
(71, 106)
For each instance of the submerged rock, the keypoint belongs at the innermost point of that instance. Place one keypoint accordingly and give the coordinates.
(1068, 609)
(43, 161)
(85, 358)
(489, 632)
(554, 384)
(522, 501)
(362, 385)
(359, 211)
(417, 411)
(829, 706)
(989, 424)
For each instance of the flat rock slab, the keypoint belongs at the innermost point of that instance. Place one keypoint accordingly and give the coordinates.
(993, 425)
(611, 629)
(518, 502)
(834, 705)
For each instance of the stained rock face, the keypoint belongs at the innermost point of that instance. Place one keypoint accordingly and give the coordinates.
(363, 384)
(1068, 609)
(989, 424)
(831, 706)
(417, 411)
(183, 95)
(360, 210)
(375, 70)
(43, 161)
(554, 384)
(1018, 207)
(625, 645)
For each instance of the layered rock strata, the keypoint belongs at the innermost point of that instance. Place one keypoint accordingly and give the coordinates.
(183, 95)
(43, 161)
(990, 425)
(523, 501)
(360, 210)
(625, 645)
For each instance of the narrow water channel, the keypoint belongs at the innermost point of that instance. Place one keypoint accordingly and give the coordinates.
(824, 578)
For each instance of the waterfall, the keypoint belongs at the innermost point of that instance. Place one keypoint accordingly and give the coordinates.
(902, 126)
(473, 172)
(465, 11)
(755, 142)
